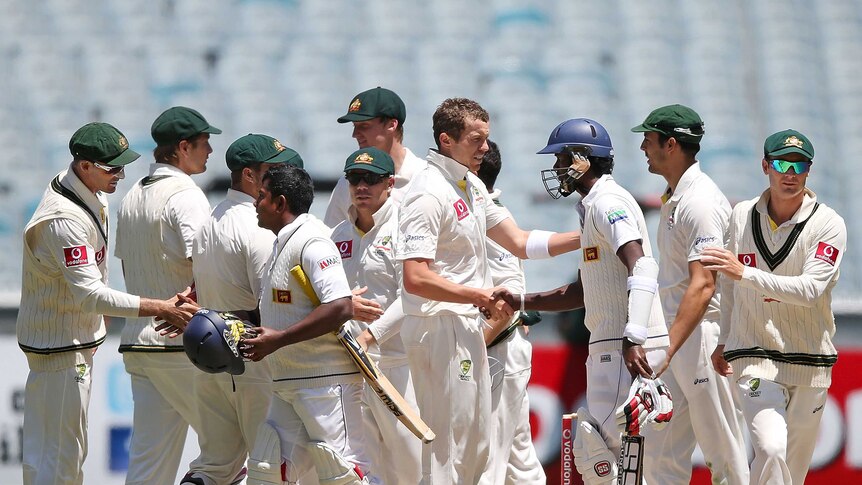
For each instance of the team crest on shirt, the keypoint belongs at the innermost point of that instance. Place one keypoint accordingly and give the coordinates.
(466, 370)
(747, 259)
(329, 262)
(345, 248)
(591, 253)
(616, 214)
(826, 252)
(382, 245)
(753, 386)
(671, 218)
(281, 296)
(461, 209)
(80, 373)
(76, 256)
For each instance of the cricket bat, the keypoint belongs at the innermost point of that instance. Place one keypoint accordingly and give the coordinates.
(384, 389)
(373, 377)
(630, 469)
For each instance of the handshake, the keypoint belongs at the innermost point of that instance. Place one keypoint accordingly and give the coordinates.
(649, 401)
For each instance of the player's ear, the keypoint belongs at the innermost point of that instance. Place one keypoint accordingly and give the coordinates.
(765, 165)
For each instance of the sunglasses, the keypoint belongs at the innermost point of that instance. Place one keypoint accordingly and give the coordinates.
(369, 178)
(784, 166)
(109, 169)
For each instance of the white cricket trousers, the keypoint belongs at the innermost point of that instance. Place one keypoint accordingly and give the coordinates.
(783, 421)
(703, 413)
(513, 458)
(231, 410)
(164, 408)
(449, 366)
(55, 423)
(331, 414)
(395, 452)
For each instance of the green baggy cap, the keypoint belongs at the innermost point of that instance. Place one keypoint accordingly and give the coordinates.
(180, 123)
(375, 103)
(370, 159)
(788, 141)
(101, 142)
(254, 148)
(676, 120)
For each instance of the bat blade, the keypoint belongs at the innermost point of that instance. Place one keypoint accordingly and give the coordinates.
(384, 388)
(631, 460)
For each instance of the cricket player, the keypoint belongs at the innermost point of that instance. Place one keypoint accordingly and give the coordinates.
(315, 418)
(156, 226)
(779, 269)
(443, 221)
(378, 117)
(694, 216)
(64, 295)
(228, 262)
(616, 285)
(513, 456)
(366, 242)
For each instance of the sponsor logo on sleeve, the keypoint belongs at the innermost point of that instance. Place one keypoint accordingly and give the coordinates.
(703, 242)
(345, 248)
(329, 262)
(461, 209)
(825, 252)
(591, 253)
(281, 296)
(100, 255)
(748, 259)
(616, 214)
(76, 256)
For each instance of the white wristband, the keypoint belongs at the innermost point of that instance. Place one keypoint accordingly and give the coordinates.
(537, 244)
(636, 333)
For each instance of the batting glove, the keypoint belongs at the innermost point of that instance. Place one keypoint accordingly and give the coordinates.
(662, 403)
(632, 414)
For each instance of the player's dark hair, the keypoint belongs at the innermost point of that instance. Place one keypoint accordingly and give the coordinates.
(236, 175)
(689, 149)
(452, 115)
(293, 183)
(491, 165)
(601, 166)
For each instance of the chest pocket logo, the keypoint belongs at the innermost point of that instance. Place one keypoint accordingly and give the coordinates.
(345, 248)
(281, 296)
(461, 209)
(591, 253)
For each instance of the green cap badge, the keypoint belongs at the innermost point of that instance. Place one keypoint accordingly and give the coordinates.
(253, 148)
(676, 121)
(375, 103)
(788, 141)
(101, 142)
(180, 123)
(370, 159)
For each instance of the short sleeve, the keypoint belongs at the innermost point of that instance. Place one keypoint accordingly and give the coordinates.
(419, 228)
(616, 220)
(322, 264)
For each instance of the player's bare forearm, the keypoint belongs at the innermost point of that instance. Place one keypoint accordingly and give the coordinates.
(565, 298)
(326, 318)
(693, 306)
(514, 239)
(419, 280)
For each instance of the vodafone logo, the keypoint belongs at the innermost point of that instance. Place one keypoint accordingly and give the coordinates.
(827, 252)
(75, 256)
(345, 248)
(748, 259)
(100, 255)
(461, 209)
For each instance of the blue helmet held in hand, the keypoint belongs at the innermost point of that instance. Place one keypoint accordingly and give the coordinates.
(211, 339)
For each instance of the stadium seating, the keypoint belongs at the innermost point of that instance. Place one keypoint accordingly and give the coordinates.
(289, 67)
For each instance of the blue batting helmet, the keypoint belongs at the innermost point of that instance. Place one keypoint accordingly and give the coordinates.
(211, 339)
(580, 132)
